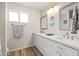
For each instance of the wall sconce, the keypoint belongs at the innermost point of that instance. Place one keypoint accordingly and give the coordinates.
(56, 8)
(52, 11)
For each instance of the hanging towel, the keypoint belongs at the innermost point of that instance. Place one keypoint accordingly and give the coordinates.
(17, 31)
(75, 20)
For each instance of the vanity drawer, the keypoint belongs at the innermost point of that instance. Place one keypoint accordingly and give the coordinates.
(65, 50)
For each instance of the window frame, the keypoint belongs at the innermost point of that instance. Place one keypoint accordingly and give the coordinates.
(20, 17)
(19, 12)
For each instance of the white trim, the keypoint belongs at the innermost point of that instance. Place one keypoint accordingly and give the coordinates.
(5, 28)
(19, 13)
(19, 48)
(12, 10)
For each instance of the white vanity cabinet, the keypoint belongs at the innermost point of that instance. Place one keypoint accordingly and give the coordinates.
(52, 48)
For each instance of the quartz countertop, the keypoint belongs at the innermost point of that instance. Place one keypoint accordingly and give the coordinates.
(67, 42)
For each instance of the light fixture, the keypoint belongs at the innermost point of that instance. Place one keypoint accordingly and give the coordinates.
(56, 8)
(53, 10)
(50, 11)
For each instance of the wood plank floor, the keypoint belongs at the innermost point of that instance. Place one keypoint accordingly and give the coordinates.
(31, 51)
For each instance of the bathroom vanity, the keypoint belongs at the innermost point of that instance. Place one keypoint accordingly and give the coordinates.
(55, 45)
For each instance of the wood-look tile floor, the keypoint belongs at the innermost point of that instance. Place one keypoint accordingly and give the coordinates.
(31, 51)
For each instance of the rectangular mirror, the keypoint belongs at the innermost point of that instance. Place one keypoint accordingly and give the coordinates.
(65, 15)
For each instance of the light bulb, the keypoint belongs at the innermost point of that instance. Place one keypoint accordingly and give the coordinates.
(56, 8)
(50, 12)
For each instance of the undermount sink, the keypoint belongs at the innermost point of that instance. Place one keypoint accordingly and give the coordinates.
(50, 34)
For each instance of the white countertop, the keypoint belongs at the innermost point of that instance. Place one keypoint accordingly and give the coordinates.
(68, 42)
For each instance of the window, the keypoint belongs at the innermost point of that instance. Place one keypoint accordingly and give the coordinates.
(23, 17)
(13, 16)
(18, 17)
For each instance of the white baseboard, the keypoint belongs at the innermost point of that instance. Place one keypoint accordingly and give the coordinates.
(19, 48)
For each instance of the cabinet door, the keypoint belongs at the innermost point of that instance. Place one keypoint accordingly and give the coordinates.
(46, 47)
(49, 47)
(36, 41)
(52, 48)
(40, 44)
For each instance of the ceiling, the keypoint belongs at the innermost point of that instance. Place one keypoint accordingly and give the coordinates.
(35, 5)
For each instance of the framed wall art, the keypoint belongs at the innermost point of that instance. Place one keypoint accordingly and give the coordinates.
(44, 22)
